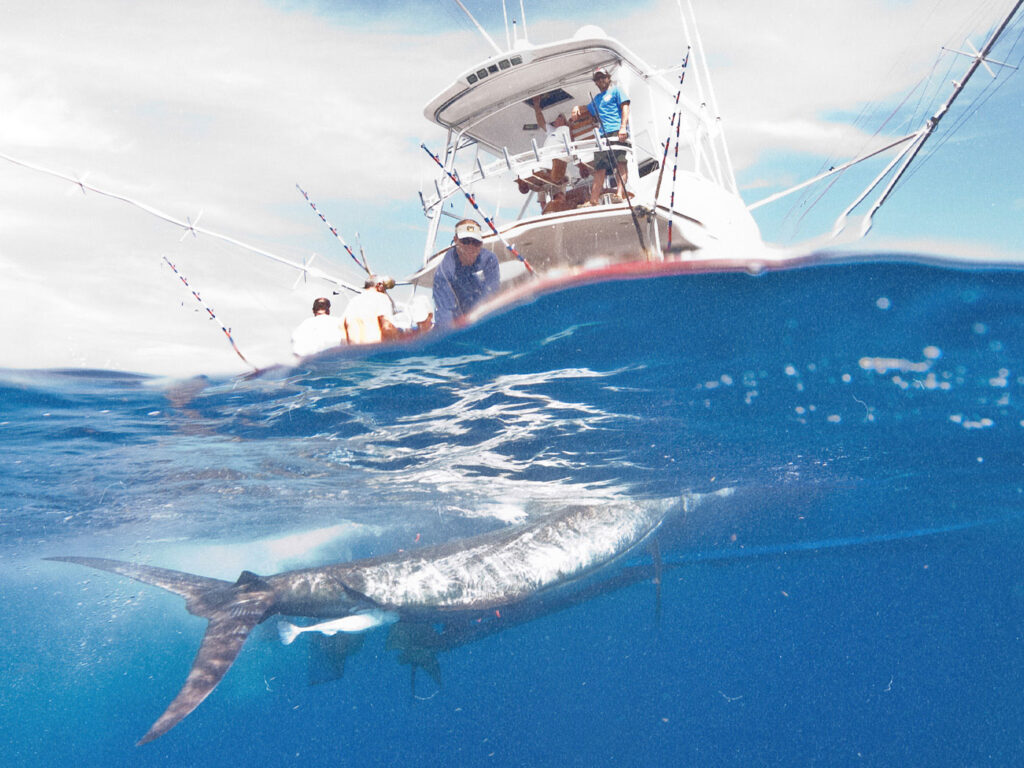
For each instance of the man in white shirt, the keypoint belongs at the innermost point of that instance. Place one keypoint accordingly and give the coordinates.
(319, 332)
(556, 135)
(369, 316)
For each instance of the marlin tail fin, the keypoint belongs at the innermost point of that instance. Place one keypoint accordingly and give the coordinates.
(232, 609)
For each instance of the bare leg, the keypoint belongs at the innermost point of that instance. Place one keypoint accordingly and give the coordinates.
(597, 186)
(558, 170)
(621, 181)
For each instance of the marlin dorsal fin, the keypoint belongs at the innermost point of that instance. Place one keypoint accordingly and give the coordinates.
(246, 578)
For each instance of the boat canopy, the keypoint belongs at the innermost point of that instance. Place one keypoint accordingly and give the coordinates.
(492, 103)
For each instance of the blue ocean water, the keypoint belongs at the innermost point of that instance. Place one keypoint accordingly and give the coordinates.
(845, 589)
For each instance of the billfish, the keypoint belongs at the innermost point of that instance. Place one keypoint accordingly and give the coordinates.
(357, 622)
(490, 571)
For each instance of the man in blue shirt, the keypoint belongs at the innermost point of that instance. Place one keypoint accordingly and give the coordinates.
(611, 109)
(468, 274)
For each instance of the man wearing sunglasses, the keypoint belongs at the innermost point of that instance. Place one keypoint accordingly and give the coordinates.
(467, 275)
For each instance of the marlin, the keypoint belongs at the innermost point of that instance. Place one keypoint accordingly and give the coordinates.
(502, 568)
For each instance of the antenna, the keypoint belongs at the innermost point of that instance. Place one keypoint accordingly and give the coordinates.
(522, 13)
(504, 13)
(483, 31)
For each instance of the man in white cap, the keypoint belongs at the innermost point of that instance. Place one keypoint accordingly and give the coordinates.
(467, 275)
(319, 332)
(369, 316)
(611, 109)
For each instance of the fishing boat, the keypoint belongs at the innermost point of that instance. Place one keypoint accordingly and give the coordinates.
(683, 211)
(497, 155)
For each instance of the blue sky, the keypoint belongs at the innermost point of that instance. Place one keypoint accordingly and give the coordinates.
(220, 108)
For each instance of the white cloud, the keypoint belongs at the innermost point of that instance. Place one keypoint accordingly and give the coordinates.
(790, 63)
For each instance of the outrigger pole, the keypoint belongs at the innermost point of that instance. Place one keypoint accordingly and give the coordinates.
(188, 226)
(472, 201)
(921, 136)
(482, 31)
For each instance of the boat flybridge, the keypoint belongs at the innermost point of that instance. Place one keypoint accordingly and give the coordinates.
(535, 194)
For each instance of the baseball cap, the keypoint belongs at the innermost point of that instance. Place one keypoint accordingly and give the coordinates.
(469, 230)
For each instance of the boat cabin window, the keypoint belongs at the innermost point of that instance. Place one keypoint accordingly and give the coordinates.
(491, 69)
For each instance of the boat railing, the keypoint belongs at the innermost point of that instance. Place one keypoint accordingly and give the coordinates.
(522, 166)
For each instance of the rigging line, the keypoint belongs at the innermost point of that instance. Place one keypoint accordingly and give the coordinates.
(813, 203)
(940, 84)
(188, 226)
(334, 231)
(921, 99)
(808, 203)
(990, 90)
(472, 201)
(977, 103)
(808, 182)
(988, 93)
(805, 200)
(226, 330)
(929, 128)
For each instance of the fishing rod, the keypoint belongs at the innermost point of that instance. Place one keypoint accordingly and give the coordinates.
(472, 201)
(672, 196)
(618, 175)
(334, 231)
(227, 331)
(677, 115)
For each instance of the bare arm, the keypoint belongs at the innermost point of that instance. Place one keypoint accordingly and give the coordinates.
(541, 122)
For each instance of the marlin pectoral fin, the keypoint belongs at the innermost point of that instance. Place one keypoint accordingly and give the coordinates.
(417, 644)
(429, 664)
(221, 643)
(327, 656)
